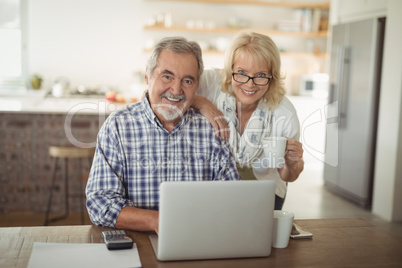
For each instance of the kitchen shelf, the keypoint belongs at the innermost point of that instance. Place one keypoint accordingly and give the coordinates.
(259, 3)
(312, 43)
(296, 55)
(321, 34)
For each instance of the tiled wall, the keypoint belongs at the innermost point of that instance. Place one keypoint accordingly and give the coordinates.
(26, 167)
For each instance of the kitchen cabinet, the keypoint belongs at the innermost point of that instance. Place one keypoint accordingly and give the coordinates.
(26, 167)
(263, 3)
(313, 39)
(355, 10)
(28, 126)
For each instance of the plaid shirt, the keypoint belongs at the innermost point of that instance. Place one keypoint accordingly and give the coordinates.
(135, 154)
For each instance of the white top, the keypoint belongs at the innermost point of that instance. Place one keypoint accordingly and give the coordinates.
(285, 124)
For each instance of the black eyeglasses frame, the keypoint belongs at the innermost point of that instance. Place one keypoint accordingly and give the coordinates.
(252, 78)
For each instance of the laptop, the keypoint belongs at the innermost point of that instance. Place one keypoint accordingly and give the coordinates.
(214, 220)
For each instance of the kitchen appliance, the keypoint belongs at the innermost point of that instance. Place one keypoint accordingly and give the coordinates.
(315, 85)
(61, 87)
(355, 75)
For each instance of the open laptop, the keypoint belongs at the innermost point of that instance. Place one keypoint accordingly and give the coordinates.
(214, 220)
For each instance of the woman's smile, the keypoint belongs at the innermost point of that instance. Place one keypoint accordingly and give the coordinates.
(248, 92)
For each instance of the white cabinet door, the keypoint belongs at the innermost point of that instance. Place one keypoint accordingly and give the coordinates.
(352, 10)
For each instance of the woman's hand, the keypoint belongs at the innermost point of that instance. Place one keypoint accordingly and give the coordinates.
(213, 115)
(294, 152)
(294, 163)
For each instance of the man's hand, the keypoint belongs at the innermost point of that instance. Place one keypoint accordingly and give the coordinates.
(132, 218)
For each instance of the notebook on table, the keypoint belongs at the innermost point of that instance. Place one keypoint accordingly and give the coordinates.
(214, 220)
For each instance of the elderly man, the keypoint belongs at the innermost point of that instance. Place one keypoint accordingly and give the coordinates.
(158, 139)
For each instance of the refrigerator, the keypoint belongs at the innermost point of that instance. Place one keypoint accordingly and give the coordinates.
(355, 76)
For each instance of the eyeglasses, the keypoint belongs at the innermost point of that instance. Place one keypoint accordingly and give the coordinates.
(259, 81)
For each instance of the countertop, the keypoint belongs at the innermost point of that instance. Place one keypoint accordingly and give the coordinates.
(38, 101)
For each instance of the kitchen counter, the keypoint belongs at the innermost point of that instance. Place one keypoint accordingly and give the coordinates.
(40, 102)
(30, 122)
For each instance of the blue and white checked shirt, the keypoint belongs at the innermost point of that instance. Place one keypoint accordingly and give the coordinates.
(135, 154)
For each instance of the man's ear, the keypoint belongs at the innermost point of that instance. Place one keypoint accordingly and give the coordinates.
(146, 76)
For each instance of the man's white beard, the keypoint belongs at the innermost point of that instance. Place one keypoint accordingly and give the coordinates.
(169, 112)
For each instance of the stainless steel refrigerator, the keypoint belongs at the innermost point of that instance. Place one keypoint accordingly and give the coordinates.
(355, 75)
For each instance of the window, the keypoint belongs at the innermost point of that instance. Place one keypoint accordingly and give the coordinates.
(13, 61)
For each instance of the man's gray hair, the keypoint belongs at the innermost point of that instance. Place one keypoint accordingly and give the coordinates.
(177, 45)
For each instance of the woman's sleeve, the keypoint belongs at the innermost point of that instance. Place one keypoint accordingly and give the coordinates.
(210, 84)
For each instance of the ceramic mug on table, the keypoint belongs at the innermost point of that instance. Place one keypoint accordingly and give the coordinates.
(283, 222)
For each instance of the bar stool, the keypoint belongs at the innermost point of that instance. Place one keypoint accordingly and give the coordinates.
(66, 153)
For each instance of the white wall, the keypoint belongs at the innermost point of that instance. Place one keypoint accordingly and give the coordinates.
(94, 42)
(91, 42)
(387, 195)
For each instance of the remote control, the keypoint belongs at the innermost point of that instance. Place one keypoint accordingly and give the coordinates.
(117, 239)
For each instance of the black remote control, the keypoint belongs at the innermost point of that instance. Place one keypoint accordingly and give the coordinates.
(117, 239)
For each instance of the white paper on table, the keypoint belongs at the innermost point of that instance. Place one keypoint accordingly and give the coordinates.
(82, 255)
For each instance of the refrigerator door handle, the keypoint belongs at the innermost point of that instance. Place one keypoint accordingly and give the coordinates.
(343, 82)
(331, 95)
(335, 84)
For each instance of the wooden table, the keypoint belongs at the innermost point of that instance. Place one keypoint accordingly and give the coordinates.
(336, 243)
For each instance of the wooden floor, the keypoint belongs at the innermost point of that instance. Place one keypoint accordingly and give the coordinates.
(39, 220)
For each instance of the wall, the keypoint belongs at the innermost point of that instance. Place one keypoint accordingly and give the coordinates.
(95, 42)
(387, 195)
(91, 42)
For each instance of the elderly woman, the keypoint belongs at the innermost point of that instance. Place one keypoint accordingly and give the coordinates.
(250, 94)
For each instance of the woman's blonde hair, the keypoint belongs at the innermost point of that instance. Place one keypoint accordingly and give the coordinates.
(260, 48)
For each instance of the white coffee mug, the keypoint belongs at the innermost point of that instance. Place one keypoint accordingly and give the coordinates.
(283, 222)
(274, 152)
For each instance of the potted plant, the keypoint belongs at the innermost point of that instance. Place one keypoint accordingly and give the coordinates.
(36, 81)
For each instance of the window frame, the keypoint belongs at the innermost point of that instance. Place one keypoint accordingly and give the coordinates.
(7, 82)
